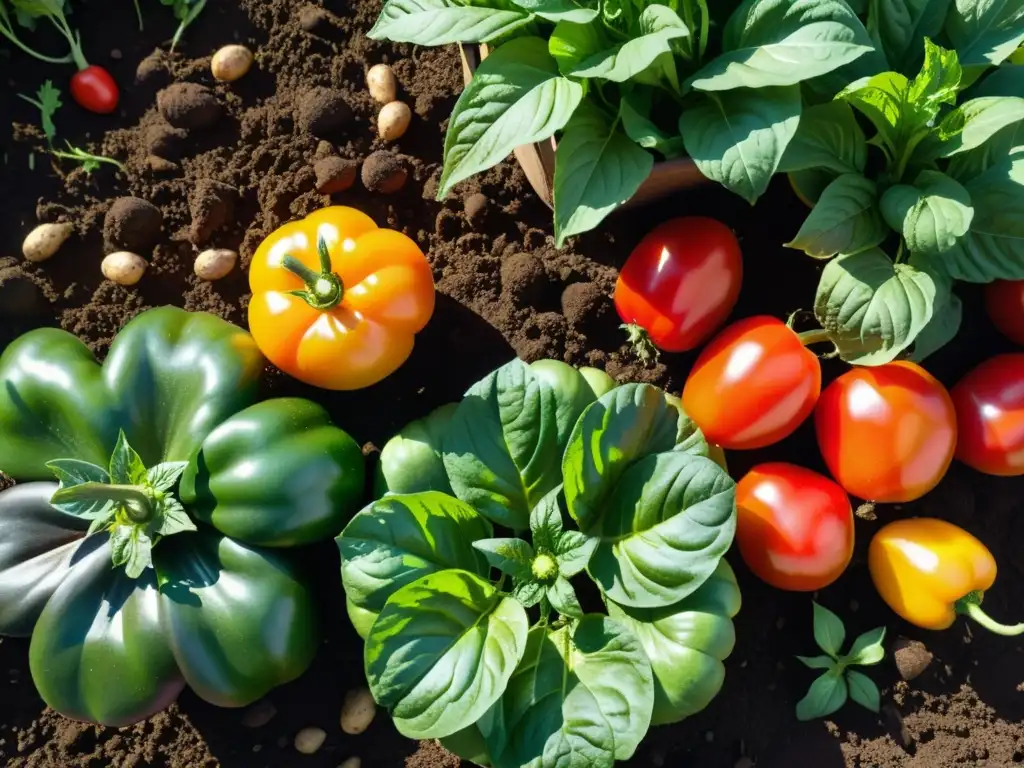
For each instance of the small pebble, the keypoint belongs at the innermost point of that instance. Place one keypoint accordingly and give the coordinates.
(116, 54)
(334, 174)
(381, 83)
(393, 120)
(475, 207)
(911, 657)
(358, 711)
(709, 736)
(159, 164)
(309, 740)
(215, 263)
(123, 267)
(231, 63)
(259, 714)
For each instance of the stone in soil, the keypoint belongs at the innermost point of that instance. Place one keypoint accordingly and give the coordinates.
(132, 224)
(584, 304)
(323, 112)
(212, 204)
(189, 105)
(475, 207)
(911, 656)
(309, 740)
(166, 141)
(384, 172)
(523, 278)
(259, 714)
(335, 174)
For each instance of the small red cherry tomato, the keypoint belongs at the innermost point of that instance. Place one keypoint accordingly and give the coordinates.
(753, 385)
(681, 282)
(888, 433)
(794, 526)
(94, 89)
(1004, 302)
(989, 404)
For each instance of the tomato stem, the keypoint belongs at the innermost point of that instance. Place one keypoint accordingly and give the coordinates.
(324, 289)
(970, 605)
(641, 343)
(74, 40)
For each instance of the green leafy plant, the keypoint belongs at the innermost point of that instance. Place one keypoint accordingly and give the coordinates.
(185, 11)
(830, 691)
(544, 578)
(623, 81)
(24, 13)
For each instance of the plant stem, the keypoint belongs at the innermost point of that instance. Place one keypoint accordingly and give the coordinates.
(6, 30)
(324, 289)
(138, 13)
(705, 26)
(970, 605)
(74, 40)
(813, 336)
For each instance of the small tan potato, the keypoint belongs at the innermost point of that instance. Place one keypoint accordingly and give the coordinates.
(231, 62)
(309, 740)
(358, 711)
(381, 83)
(124, 267)
(352, 762)
(393, 120)
(45, 240)
(215, 263)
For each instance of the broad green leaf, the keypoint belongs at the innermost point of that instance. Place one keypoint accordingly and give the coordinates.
(440, 22)
(938, 82)
(817, 662)
(874, 309)
(571, 44)
(529, 593)
(941, 329)
(845, 219)
(635, 111)
(516, 97)
(829, 138)
(898, 26)
(120, 544)
(993, 248)
(829, 632)
(863, 690)
(686, 643)
(597, 169)
(932, 214)
(572, 392)
(783, 42)
(139, 553)
(72, 472)
(663, 529)
(174, 519)
(126, 467)
(985, 32)
(883, 100)
(966, 166)
(411, 461)
(738, 138)
(504, 443)
(562, 597)
(573, 11)
(868, 648)
(511, 556)
(976, 121)
(399, 539)
(574, 550)
(620, 428)
(825, 696)
(580, 697)
(657, 26)
(442, 651)
(1007, 80)
(163, 477)
(546, 521)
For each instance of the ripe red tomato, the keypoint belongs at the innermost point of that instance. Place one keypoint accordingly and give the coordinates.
(989, 404)
(94, 89)
(752, 385)
(681, 282)
(887, 433)
(1004, 302)
(794, 526)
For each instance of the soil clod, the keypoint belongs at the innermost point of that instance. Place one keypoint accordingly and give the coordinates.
(323, 112)
(189, 105)
(132, 224)
(911, 656)
(335, 174)
(523, 278)
(212, 204)
(384, 172)
(475, 207)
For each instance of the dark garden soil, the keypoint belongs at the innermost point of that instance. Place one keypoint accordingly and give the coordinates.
(504, 290)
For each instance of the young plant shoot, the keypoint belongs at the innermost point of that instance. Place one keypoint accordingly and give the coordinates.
(48, 102)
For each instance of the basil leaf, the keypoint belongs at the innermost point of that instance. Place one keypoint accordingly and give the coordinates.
(573, 551)
(828, 138)
(845, 219)
(825, 696)
(993, 248)
(898, 26)
(529, 593)
(120, 544)
(663, 530)
(658, 25)
(874, 309)
(411, 461)
(937, 83)
(985, 32)
(163, 477)
(783, 42)
(516, 97)
(399, 539)
(585, 695)
(546, 521)
(174, 519)
(941, 329)
(442, 651)
(73, 472)
(511, 556)
(863, 690)
(867, 648)
(829, 632)
(738, 138)
(138, 553)
(440, 22)
(817, 662)
(573, 11)
(635, 111)
(620, 428)
(503, 445)
(571, 44)
(686, 643)
(883, 100)
(932, 214)
(597, 169)
(976, 121)
(562, 597)
(126, 467)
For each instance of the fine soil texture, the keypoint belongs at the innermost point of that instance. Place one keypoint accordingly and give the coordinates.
(216, 165)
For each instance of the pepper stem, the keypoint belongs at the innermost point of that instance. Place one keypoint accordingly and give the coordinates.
(970, 605)
(324, 289)
(641, 343)
(813, 336)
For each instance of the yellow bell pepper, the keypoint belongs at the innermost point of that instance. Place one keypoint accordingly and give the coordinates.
(930, 571)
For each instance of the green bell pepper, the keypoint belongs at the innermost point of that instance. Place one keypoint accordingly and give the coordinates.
(208, 596)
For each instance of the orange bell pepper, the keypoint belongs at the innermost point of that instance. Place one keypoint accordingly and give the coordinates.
(930, 571)
(337, 302)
